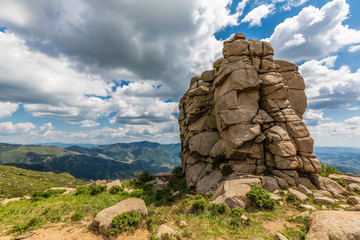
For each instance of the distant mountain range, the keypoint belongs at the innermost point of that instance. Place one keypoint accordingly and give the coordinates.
(122, 160)
(345, 159)
(119, 160)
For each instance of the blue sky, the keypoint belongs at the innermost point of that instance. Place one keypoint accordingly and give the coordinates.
(114, 71)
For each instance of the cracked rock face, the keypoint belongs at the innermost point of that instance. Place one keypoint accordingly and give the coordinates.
(245, 115)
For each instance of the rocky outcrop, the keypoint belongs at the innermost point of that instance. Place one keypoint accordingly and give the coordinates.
(245, 115)
(340, 225)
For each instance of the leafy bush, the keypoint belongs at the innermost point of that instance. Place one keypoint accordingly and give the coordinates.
(77, 216)
(82, 190)
(326, 170)
(126, 221)
(151, 221)
(138, 193)
(33, 223)
(164, 196)
(116, 189)
(144, 176)
(341, 182)
(218, 208)
(168, 236)
(209, 195)
(96, 190)
(178, 172)
(226, 170)
(260, 198)
(236, 219)
(39, 195)
(198, 206)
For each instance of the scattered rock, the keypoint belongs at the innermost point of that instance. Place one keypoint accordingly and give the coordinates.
(344, 205)
(113, 183)
(339, 225)
(354, 200)
(233, 192)
(279, 236)
(182, 224)
(275, 197)
(25, 235)
(347, 178)
(304, 190)
(327, 184)
(67, 190)
(158, 183)
(353, 186)
(321, 193)
(7, 200)
(103, 219)
(270, 183)
(324, 200)
(163, 229)
(299, 195)
(164, 175)
(354, 208)
(308, 207)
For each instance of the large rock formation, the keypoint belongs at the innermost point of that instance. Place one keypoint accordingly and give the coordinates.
(245, 116)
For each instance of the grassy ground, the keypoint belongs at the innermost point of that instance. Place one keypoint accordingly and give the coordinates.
(170, 205)
(16, 182)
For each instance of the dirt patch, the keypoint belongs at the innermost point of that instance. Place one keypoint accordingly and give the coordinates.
(277, 225)
(77, 232)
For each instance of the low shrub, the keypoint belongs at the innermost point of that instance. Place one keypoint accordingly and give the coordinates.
(82, 190)
(124, 222)
(39, 195)
(357, 190)
(291, 198)
(96, 190)
(219, 159)
(198, 206)
(226, 170)
(164, 196)
(116, 189)
(77, 216)
(55, 219)
(33, 223)
(259, 198)
(138, 193)
(236, 218)
(326, 170)
(144, 176)
(218, 208)
(168, 236)
(341, 182)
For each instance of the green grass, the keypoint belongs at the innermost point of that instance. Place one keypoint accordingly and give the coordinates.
(16, 182)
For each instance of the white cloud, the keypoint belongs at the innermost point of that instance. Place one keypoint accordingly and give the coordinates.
(241, 6)
(330, 88)
(255, 16)
(322, 31)
(354, 48)
(69, 56)
(313, 117)
(8, 128)
(7, 109)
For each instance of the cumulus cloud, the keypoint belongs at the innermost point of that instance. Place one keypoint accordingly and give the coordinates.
(330, 88)
(314, 33)
(8, 128)
(354, 48)
(313, 117)
(255, 16)
(70, 58)
(7, 109)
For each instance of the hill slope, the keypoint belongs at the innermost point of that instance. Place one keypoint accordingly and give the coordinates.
(16, 182)
(113, 161)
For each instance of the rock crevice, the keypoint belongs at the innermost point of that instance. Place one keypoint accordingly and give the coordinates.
(245, 115)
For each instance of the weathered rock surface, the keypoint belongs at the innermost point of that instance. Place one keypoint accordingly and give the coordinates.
(246, 113)
(113, 183)
(103, 219)
(163, 229)
(233, 192)
(334, 225)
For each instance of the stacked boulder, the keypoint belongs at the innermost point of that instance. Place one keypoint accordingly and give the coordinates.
(245, 116)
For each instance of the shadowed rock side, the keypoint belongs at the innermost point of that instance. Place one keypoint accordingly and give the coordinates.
(245, 116)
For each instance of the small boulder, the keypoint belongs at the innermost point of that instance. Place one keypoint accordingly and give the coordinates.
(270, 183)
(182, 224)
(7, 200)
(113, 183)
(353, 200)
(322, 193)
(104, 218)
(301, 188)
(163, 229)
(324, 200)
(279, 236)
(25, 235)
(308, 207)
(299, 195)
(354, 208)
(158, 183)
(233, 192)
(339, 225)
